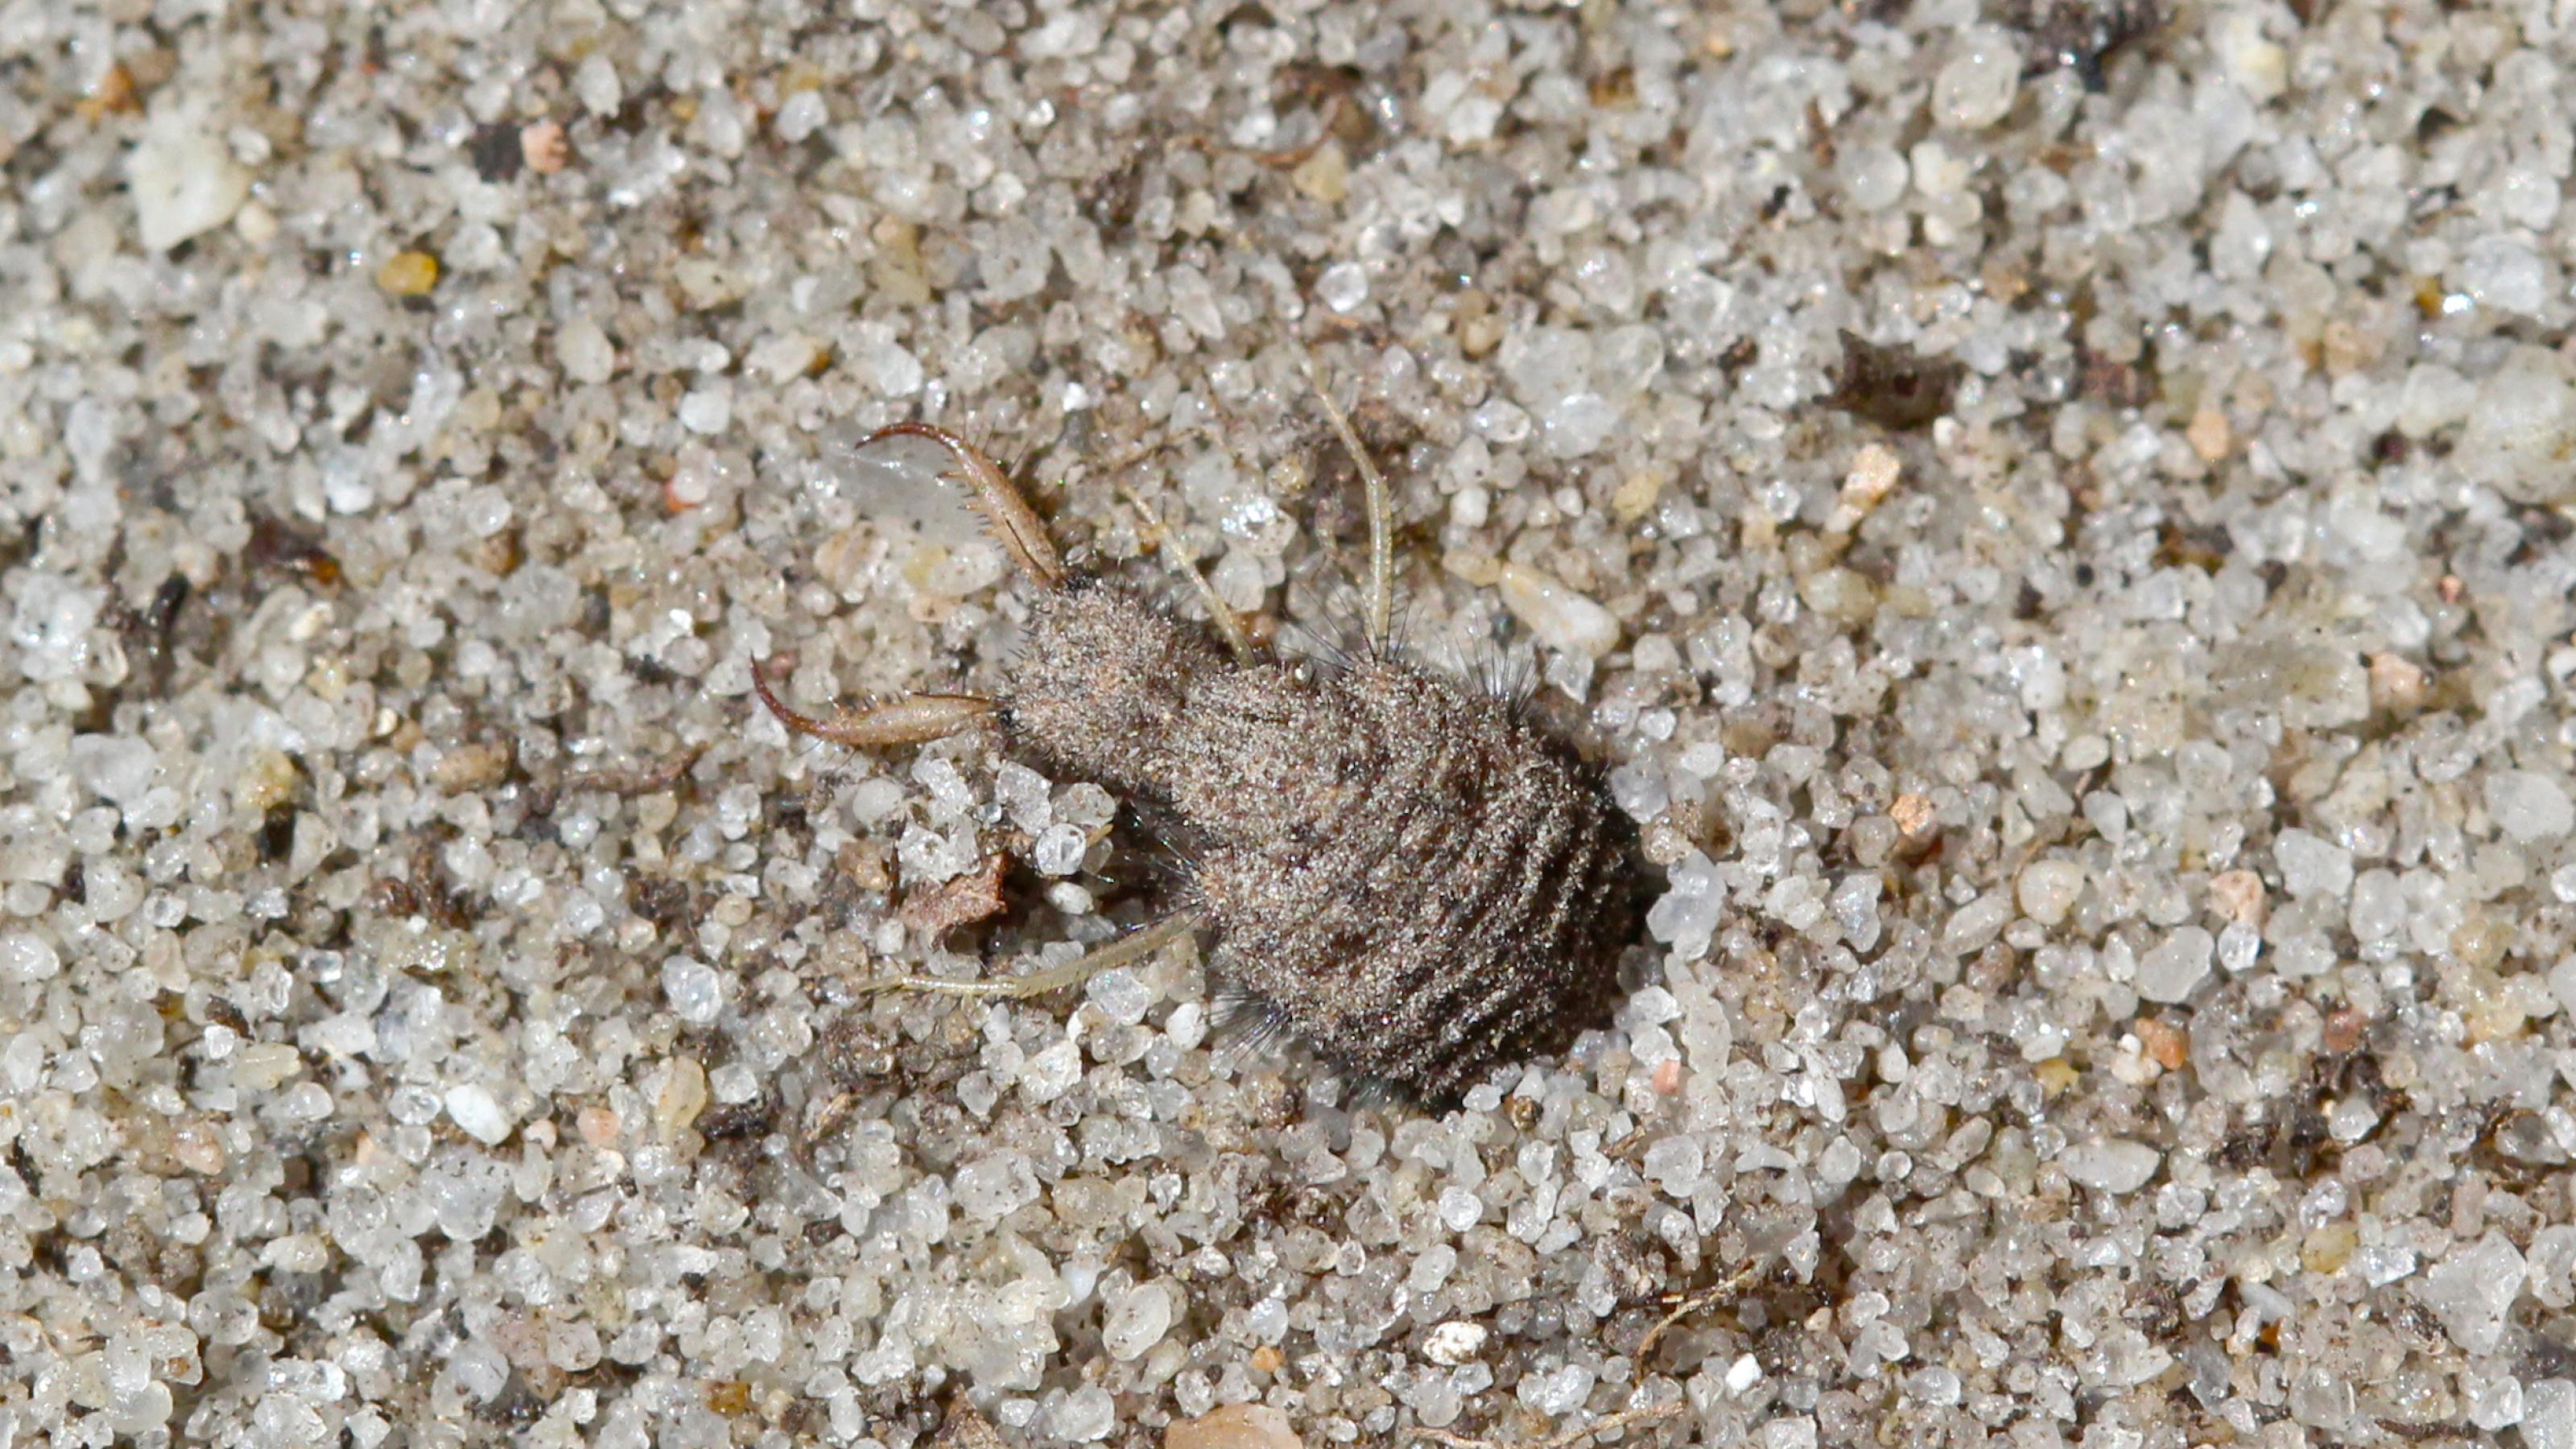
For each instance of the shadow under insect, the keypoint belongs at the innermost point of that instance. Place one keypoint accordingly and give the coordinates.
(1404, 872)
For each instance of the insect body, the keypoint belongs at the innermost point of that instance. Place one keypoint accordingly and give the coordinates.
(1406, 873)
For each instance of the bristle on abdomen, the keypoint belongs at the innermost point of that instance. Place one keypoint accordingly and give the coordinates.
(1459, 902)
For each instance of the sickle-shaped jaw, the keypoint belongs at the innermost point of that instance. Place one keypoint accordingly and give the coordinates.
(1005, 511)
(911, 720)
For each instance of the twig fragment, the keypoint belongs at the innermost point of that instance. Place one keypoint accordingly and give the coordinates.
(1693, 1304)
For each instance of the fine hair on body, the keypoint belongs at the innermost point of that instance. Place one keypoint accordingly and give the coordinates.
(1406, 873)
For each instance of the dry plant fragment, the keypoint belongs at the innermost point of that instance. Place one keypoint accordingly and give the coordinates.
(1613, 1423)
(1706, 1297)
(543, 147)
(974, 896)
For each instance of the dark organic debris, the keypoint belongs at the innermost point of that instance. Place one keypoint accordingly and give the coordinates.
(1893, 387)
(2082, 35)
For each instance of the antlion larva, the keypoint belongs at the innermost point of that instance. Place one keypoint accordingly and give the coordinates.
(1405, 872)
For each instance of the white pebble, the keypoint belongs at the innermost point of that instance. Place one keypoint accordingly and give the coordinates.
(2238, 945)
(1086, 1414)
(1343, 287)
(1052, 1072)
(2258, 65)
(2549, 1415)
(184, 179)
(708, 409)
(2432, 398)
(2493, 1401)
(800, 116)
(1560, 617)
(474, 1110)
(1059, 849)
(1637, 787)
(1795, 1432)
(1575, 423)
(480, 1370)
(1874, 177)
(1085, 803)
(26, 956)
(2502, 273)
(1675, 1164)
(585, 351)
(1069, 33)
(1121, 995)
(2112, 1164)
(994, 1186)
(1234, 1426)
(2521, 428)
(1137, 1320)
(597, 85)
(2528, 806)
(1686, 915)
(876, 798)
(1975, 925)
(2170, 971)
(733, 1083)
(1561, 1391)
(1454, 1342)
(1938, 171)
(1975, 88)
(2381, 1266)
(2378, 906)
(1024, 793)
(2312, 865)
(2472, 1289)
(694, 990)
(783, 358)
(117, 768)
(2048, 889)
(113, 891)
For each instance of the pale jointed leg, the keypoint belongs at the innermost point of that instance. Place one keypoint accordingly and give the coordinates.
(1228, 624)
(1381, 596)
(1134, 946)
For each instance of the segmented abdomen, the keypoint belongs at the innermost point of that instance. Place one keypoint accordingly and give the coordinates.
(1420, 884)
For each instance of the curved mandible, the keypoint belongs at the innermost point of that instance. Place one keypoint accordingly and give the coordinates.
(911, 720)
(1013, 522)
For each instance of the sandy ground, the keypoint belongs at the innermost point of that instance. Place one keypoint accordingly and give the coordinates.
(2052, 517)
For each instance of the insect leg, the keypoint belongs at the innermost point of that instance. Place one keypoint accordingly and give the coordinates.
(1381, 598)
(1228, 624)
(914, 719)
(1021, 531)
(1134, 946)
